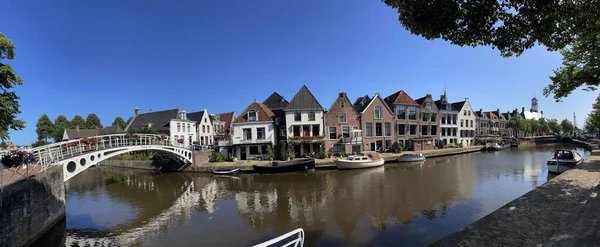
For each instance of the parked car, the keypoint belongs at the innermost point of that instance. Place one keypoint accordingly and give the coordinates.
(197, 147)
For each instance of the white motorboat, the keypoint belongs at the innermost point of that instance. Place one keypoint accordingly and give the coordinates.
(563, 160)
(411, 157)
(360, 161)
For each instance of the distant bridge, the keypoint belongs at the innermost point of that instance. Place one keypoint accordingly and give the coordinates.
(76, 156)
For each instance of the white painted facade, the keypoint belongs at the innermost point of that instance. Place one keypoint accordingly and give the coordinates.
(290, 122)
(181, 130)
(247, 133)
(467, 122)
(205, 130)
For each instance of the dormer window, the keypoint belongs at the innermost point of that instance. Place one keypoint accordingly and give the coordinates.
(341, 103)
(252, 116)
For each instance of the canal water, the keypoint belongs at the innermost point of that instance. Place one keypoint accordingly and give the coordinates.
(394, 205)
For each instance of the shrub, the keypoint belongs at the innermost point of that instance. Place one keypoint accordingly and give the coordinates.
(231, 158)
(270, 152)
(284, 150)
(290, 151)
(218, 157)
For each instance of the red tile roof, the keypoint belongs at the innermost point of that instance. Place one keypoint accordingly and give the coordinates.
(401, 98)
(263, 113)
(227, 117)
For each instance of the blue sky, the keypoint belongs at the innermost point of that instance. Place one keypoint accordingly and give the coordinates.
(109, 57)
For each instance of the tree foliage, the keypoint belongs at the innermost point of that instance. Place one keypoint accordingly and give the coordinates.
(44, 128)
(567, 126)
(3, 144)
(60, 124)
(592, 122)
(93, 122)
(554, 126)
(119, 122)
(513, 26)
(77, 121)
(544, 125)
(9, 101)
(516, 124)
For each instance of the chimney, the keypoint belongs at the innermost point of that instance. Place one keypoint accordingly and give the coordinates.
(467, 99)
(498, 111)
(137, 111)
(522, 109)
(342, 94)
(542, 112)
(480, 110)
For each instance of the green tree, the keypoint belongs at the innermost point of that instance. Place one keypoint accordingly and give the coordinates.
(44, 128)
(513, 26)
(60, 124)
(544, 127)
(554, 126)
(119, 122)
(3, 145)
(515, 123)
(9, 105)
(567, 126)
(93, 122)
(535, 126)
(77, 121)
(592, 122)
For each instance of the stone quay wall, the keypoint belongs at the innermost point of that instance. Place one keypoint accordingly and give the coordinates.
(30, 207)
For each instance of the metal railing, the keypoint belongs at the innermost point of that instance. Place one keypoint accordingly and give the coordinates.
(296, 238)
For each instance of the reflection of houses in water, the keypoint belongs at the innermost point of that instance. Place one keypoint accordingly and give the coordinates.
(265, 202)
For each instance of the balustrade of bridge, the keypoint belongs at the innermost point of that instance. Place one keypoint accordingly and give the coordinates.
(50, 154)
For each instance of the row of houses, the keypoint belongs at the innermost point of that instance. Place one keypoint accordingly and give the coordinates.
(375, 123)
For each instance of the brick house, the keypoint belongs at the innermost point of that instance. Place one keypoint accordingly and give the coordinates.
(429, 125)
(376, 119)
(406, 111)
(340, 121)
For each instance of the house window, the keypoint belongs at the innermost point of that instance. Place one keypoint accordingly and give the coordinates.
(178, 127)
(356, 133)
(413, 129)
(471, 123)
(247, 134)
(201, 141)
(401, 129)
(332, 133)
(176, 137)
(424, 130)
(254, 150)
(465, 112)
(346, 131)
(454, 117)
(412, 113)
(252, 116)
(388, 129)
(188, 128)
(315, 130)
(369, 129)
(443, 118)
(341, 103)
(378, 130)
(311, 116)
(469, 113)
(400, 112)
(207, 128)
(341, 117)
(428, 106)
(424, 117)
(260, 133)
(461, 123)
(454, 131)
(377, 112)
(433, 130)
(296, 130)
(297, 116)
(443, 131)
(336, 148)
(203, 129)
(433, 117)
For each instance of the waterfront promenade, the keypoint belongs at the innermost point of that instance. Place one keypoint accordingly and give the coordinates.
(562, 212)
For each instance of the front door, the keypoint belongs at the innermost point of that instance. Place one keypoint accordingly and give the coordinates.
(372, 146)
(243, 153)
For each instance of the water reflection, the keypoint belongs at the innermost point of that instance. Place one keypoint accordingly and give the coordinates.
(407, 204)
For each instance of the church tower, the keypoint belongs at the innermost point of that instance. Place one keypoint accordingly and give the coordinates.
(534, 104)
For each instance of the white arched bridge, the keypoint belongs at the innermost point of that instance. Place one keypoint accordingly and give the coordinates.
(76, 156)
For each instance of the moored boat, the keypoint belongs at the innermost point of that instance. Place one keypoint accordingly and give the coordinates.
(563, 160)
(360, 161)
(299, 165)
(494, 146)
(411, 157)
(224, 171)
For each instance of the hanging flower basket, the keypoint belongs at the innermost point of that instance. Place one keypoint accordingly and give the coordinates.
(163, 137)
(17, 158)
(180, 141)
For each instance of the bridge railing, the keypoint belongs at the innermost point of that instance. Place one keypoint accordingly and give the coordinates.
(52, 153)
